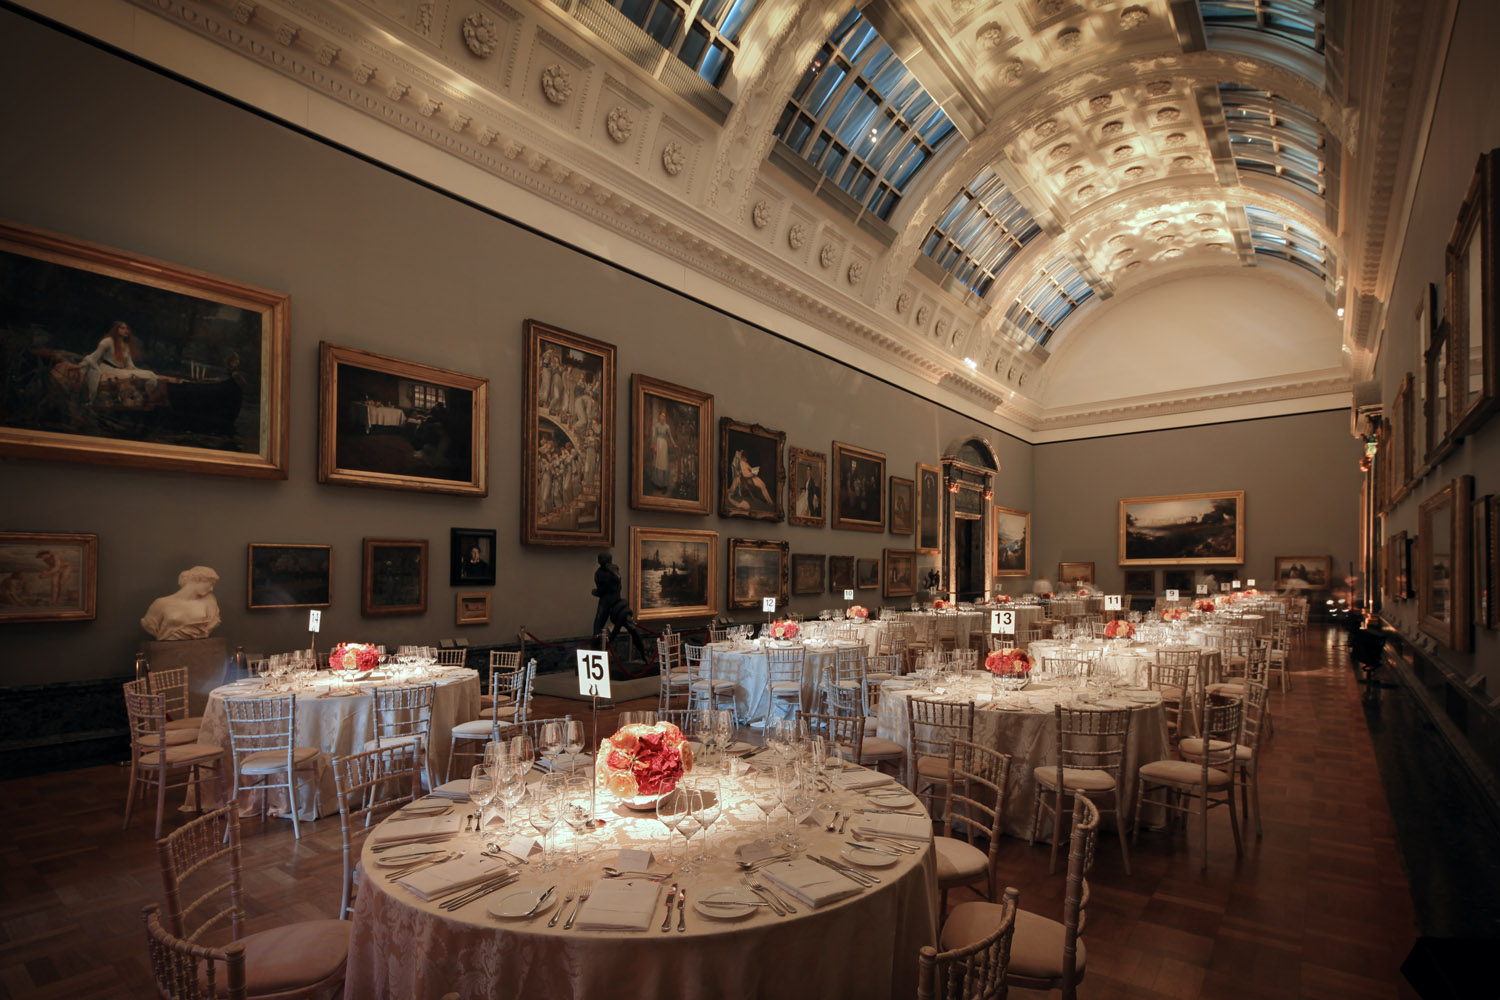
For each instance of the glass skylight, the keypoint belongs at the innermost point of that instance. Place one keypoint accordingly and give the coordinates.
(1274, 235)
(1299, 21)
(1051, 297)
(979, 232)
(1270, 135)
(708, 43)
(862, 119)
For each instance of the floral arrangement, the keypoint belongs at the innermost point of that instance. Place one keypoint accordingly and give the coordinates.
(1047, 596)
(1174, 614)
(354, 656)
(1008, 663)
(1204, 605)
(1002, 598)
(644, 759)
(939, 605)
(1252, 592)
(858, 611)
(1083, 592)
(1119, 629)
(784, 629)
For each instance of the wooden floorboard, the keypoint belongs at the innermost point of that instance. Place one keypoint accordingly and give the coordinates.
(1318, 908)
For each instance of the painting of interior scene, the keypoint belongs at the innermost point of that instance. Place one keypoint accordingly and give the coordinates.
(403, 427)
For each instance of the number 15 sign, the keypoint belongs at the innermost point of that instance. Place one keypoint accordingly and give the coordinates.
(593, 672)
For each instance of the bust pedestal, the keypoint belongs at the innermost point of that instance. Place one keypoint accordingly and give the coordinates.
(203, 658)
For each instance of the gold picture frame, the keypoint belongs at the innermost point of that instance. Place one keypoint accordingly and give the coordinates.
(858, 488)
(1012, 541)
(1185, 529)
(930, 510)
(1443, 526)
(48, 576)
(471, 608)
(671, 447)
(395, 577)
(758, 568)
(751, 463)
(673, 573)
(807, 487)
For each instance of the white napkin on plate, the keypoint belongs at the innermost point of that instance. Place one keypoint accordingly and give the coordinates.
(893, 825)
(812, 883)
(851, 781)
(619, 905)
(397, 829)
(471, 869)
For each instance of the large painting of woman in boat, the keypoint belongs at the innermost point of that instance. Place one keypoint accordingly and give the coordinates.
(110, 357)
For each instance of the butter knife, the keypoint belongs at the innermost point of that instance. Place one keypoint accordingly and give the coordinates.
(681, 912)
(857, 877)
(666, 922)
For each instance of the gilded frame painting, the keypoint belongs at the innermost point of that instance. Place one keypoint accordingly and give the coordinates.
(758, 568)
(1075, 574)
(673, 573)
(840, 574)
(900, 573)
(395, 577)
(1012, 541)
(567, 438)
(1443, 555)
(1188, 529)
(866, 574)
(401, 425)
(1303, 572)
(809, 573)
(471, 608)
(671, 447)
(751, 460)
(48, 576)
(121, 359)
(930, 510)
(903, 503)
(807, 487)
(1472, 262)
(288, 576)
(858, 488)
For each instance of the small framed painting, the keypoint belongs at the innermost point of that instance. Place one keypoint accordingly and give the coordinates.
(809, 574)
(750, 463)
(1401, 546)
(858, 488)
(1140, 582)
(472, 608)
(807, 479)
(840, 573)
(757, 569)
(1471, 277)
(929, 509)
(471, 557)
(48, 577)
(1012, 542)
(903, 505)
(866, 574)
(1443, 553)
(1075, 574)
(673, 572)
(289, 576)
(1486, 531)
(900, 573)
(401, 425)
(395, 576)
(1303, 572)
(671, 446)
(1180, 580)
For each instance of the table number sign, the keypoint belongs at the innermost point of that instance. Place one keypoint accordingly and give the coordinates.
(1003, 622)
(1236, 585)
(1224, 587)
(593, 672)
(1112, 602)
(1202, 588)
(768, 605)
(1172, 595)
(1250, 583)
(315, 621)
(848, 595)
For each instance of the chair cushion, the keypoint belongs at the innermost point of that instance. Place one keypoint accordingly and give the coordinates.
(282, 959)
(880, 748)
(1076, 779)
(184, 754)
(786, 687)
(719, 685)
(503, 711)
(389, 741)
(958, 863)
(1036, 950)
(1192, 749)
(478, 729)
(1234, 686)
(928, 767)
(271, 761)
(1180, 772)
(195, 722)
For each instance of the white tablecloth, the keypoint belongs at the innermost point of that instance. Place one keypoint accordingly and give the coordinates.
(368, 415)
(749, 667)
(340, 725)
(863, 946)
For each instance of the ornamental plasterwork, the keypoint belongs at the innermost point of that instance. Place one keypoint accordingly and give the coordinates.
(673, 158)
(1046, 128)
(397, 90)
(488, 136)
(557, 83)
(796, 235)
(287, 33)
(479, 34)
(856, 272)
(827, 254)
(1012, 71)
(1101, 102)
(429, 107)
(459, 122)
(619, 123)
(903, 302)
(1134, 17)
(362, 73)
(243, 12)
(922, 313)
(760, 215)
(1159, 88)
(327, 54)
(991, 37)
(1166, 115)
(1069, 39)
(1111, 129)
(941, 329)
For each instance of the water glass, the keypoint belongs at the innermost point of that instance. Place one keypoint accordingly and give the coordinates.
(707, 801)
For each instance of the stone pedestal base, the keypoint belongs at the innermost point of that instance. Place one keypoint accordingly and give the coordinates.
(203, 658)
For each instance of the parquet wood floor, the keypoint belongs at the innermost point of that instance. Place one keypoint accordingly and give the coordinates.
(1319, 908)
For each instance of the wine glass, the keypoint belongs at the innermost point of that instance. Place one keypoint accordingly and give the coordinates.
(671, 807)
(552, 738)
(578, 810)
(573, 742)
(791, 790)
(546, 807)
(765, 795)
(707, 803)
(482, 789)
(523, 752)
(510, 782)
(724, 732)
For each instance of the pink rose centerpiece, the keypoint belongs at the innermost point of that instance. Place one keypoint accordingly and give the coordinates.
(1204, 605)
(354, 656)
(784, 629)
(1002, 598)
(1047, 596)
(641, 762)
(858, 612)
(1119, 629)
(1174, 614)
(939, 605)
(1083, 592)
(1011, 667)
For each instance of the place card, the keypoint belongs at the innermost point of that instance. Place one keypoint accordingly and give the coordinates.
(634, 859)
(818, 816)
(522, 846)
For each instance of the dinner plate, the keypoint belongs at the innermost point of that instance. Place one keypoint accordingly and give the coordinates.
(867, 858)
(1115, 703)
(341, 693)
(729, 903)
(518, 904)
(891, 797)
(1143, 697)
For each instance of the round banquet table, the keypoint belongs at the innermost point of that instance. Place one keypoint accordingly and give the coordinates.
(1022, 725)
(338, 724)
(748, 667)
(865, 945)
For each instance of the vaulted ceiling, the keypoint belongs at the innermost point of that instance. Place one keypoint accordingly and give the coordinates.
(1065, 216)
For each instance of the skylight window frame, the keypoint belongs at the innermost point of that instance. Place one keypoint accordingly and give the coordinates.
(1269, 134)
(1300, 22)
(977, 234)
(1057, 291)
(711, 17)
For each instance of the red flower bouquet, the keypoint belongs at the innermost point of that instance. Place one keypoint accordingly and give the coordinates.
(857, 611)
(1047, 596)
(354, 656)
(1174, 614)
(939, 605)
(1119, 629)
(1002, 598)
(1205, 606)
(644, 760)
(785, 629)
(1008, 663)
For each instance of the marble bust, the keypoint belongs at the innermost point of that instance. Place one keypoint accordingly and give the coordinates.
(191, 613)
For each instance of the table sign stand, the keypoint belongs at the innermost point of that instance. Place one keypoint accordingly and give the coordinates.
(593, 680)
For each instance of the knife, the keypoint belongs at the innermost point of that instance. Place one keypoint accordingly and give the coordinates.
(871, 847)
(854, 873)
(545, 896)
(681, 913)
(666, 922)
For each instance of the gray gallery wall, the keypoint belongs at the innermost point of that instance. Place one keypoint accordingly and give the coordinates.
(119, 155)
(1300, 475)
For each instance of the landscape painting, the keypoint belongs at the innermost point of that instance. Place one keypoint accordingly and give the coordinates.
(808, 573)
(290, 576)
(673, 572)
(1192, 529)
(1304, 572)
(1012, 542)
(757, 569)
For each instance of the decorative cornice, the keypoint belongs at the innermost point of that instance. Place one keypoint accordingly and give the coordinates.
(1138, 407)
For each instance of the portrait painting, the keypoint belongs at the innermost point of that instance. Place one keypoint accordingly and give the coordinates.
(903, 505)
(840, 573)
(808, 573)
(807, 479)
(48, 576)
(674, 573)
(1012, 542)
(401, 425)
(858, 488)
(866, 574)
(471, 557)
(757, 569)
(929, 509)
(118, 359)
(395, 577)
(900, 573)
(1189, 529)
(670, 446)
(289, 576)
(750, 471)
(568, 439)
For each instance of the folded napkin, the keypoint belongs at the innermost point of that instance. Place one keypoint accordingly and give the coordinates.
(471, 869)
(851, 781)
(619, 905)
(895, 825)
(396, 829)
(812, 883)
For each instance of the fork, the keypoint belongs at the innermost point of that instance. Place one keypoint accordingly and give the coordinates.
(756, 889)
(756, 883)
(583, 897)
(560, 907)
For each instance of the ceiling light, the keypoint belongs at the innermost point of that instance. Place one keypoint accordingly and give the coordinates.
(971, 362)
(1341, 312)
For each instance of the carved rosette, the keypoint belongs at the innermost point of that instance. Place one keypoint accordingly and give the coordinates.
(479, 34)
(619, 123)
(1046, 128)
(1122, 152)
(1074, 172)
(991, 37)
(243, 12)
(1176, 139)
(1087, 191)
(1069, 39)
(1135, 173)
(941, 330)
(903, 302)
(760, 215)
(1060, 151)
(1167, 115)
(1111, 129)
(1012, 71)
(826, 255)
(856, 272)
(557, 83)
(1159, 88)
(1101, 102)
(673, 158)
(1204, 218)
(287, 33)
(327, 54)
(1183, 161)
(796, 236)
(1134, 16)
(922, 313)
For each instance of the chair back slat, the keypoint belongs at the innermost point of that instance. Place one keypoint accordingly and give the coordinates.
(403, 713)
(172, 685)
(257, 725)
(976, 792)
(845, 732)
(371, 784)
(1092, 739)
(202, 857)
(183, 970)
(974, 971)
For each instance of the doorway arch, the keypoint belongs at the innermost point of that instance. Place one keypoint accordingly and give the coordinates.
(969, 468)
